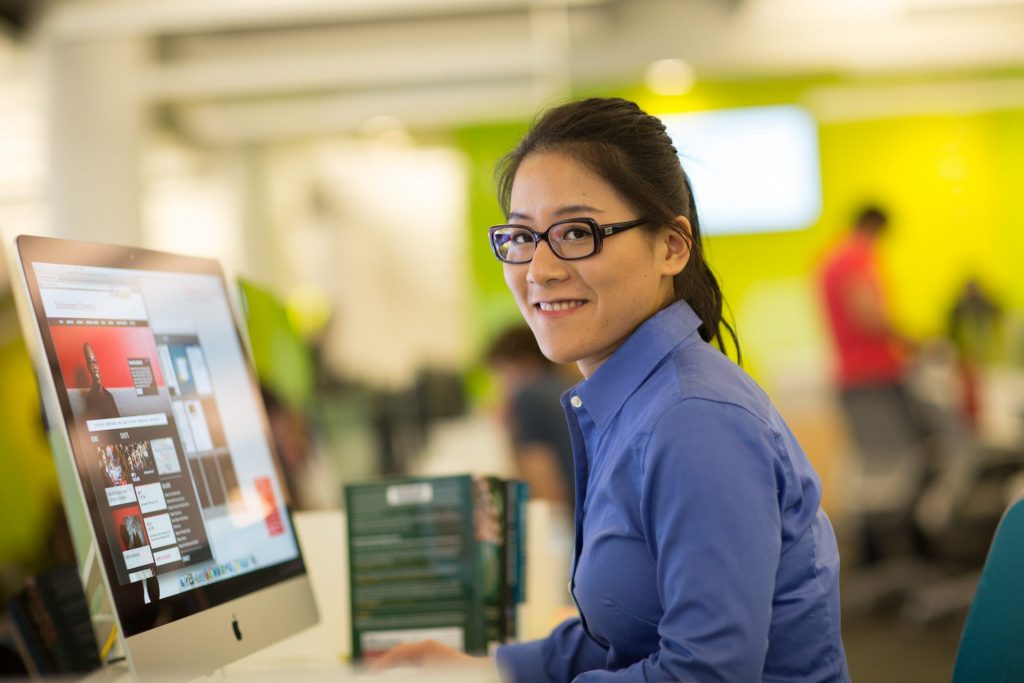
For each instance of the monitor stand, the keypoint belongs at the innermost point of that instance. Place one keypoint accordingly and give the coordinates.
(108, 637)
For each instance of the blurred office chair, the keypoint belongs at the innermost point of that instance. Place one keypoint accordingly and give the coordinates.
(990, 646)
(886, 474)
(932, 499)
(965, 496)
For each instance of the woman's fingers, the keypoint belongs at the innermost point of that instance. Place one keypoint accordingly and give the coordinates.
(423, 653)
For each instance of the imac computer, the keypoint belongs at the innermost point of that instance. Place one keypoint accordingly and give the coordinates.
(168, 455)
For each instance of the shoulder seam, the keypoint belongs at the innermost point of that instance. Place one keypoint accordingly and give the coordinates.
(684, 399)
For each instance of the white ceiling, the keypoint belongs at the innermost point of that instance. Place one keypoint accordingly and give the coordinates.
(249, 70)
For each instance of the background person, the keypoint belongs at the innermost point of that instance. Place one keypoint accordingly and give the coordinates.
(869, 349)
(531, 389)
(885, 423)
(702, 552)
(975, 326)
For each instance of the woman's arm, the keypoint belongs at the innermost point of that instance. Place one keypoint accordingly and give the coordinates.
(710, 507)
(567, 652)
(559, 658)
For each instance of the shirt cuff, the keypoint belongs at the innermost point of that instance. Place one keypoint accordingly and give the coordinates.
(521, 662)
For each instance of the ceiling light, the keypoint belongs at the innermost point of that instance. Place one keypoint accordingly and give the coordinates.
(387, 129)
(670, 77)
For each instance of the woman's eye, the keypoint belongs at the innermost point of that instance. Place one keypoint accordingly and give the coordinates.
(573, 234)
(521, 238)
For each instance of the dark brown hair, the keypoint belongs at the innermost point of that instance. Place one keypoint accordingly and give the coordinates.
(517, 344)
(633, 153)
(872, 219)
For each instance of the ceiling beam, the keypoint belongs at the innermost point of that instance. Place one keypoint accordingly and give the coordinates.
(234, 123)
(112, 18)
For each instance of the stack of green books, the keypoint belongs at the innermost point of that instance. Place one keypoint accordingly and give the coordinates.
(439, 558)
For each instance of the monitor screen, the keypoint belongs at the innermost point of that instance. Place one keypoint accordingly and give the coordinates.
(168, 432)
(753, 169)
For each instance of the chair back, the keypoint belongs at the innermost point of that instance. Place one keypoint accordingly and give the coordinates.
(992, 643)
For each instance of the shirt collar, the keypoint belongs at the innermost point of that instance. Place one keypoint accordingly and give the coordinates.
(606, 391)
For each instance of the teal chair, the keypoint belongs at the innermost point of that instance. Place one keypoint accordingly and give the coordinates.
(992, 644)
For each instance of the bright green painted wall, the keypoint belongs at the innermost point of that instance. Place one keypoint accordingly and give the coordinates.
(484, 146)
(949, 181)
(28, 482)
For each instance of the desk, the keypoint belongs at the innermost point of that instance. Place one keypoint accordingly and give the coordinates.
(321, 652)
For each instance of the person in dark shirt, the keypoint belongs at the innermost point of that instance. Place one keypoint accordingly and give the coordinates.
(531, 387)
(99, 403)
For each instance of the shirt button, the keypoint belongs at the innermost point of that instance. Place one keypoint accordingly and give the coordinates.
(576, 402)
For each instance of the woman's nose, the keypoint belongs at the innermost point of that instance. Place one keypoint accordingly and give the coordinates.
(545, 266)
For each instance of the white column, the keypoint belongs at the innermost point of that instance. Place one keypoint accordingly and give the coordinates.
(261, 253)
(95, 118)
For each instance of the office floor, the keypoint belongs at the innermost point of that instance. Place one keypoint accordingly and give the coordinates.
(883, 648)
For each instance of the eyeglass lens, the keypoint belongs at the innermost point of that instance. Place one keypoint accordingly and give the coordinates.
(568, 240)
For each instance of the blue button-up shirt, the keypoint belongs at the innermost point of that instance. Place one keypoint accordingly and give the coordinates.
(702, 553)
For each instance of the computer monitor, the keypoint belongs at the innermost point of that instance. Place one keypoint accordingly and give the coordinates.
(144, 373)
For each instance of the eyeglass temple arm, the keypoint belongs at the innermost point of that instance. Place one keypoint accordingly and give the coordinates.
(607, 230)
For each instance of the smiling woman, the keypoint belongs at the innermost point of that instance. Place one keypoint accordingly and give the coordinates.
(702, 552)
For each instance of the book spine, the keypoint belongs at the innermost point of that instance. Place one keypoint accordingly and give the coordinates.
(522, 497)
(509, 630)
(357, 649)
(513, 556)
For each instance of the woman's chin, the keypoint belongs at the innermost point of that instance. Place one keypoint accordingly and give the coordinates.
(559, 354)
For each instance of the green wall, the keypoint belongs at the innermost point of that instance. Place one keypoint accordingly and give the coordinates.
(484, 146)
(28, 481)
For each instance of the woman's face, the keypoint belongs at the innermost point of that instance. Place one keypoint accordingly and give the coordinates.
(581, 311)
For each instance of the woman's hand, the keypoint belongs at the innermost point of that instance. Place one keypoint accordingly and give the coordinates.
(428, 653)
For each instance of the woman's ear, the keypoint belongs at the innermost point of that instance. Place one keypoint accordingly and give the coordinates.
(677, 241)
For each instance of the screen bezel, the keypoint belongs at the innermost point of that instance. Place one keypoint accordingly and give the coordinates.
(134, 621)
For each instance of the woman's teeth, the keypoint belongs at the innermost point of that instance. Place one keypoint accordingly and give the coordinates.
(558, 305)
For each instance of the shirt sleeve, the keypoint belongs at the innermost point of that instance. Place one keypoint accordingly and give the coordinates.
(710, 491)
(567, 652)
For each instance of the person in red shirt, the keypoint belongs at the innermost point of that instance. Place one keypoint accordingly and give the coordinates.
(885, 423)
(870, 351)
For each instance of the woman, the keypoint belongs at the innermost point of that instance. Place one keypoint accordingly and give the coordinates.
(701, 552)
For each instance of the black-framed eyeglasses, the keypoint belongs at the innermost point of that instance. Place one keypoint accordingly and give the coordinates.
(570, 240)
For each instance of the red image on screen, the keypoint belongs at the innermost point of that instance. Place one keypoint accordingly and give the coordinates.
(130, 529)
(111, 347)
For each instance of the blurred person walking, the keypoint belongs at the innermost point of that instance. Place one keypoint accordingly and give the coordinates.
(871, 367)
(870, 351)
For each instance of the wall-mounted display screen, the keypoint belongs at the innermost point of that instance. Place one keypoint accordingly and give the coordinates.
(752, 169)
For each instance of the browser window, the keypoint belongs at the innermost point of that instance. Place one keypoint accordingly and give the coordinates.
(185, 487)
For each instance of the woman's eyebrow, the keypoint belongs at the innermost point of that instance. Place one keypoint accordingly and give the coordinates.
(572, 210)
(576, 209)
